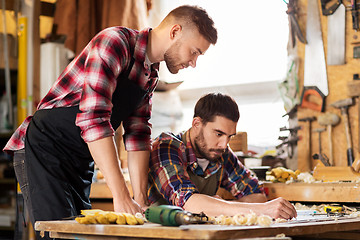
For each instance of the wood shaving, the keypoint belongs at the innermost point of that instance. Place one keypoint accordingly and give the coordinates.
(264, 220)
(243, 220)
(280, 220)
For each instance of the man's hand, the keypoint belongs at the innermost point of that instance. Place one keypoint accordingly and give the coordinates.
(278, 208)
(127, 205)
(104, 154)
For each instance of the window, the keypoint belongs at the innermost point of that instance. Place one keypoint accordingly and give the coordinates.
(251, 47)
(247, 62)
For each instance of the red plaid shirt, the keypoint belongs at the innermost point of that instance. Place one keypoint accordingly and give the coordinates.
(90, 80)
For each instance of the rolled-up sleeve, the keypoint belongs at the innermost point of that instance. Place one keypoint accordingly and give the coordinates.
(138, 128)
(168, 173)
(106, 59)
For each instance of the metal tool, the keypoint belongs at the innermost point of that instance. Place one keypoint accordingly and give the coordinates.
(168, 215)
(335, 12)
(321, 156)
(309, 119)
(336, 37)
(329, 120)
(315, 76)
(294, 129)
(294, 26)
(343, 105)
(354, 15)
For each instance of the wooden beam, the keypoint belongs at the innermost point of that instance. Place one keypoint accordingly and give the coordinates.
(47, 9)
(10, 5)
(36, 55)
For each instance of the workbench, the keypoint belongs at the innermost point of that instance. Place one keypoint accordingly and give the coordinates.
(345, 192)
(322, 192)
(70, 229)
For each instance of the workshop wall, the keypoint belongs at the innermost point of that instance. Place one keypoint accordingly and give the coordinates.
(338, 77)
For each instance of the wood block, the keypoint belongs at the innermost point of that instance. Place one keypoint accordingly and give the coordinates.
(353, 88)
(239, 142)
(314, 192)
(335, 173)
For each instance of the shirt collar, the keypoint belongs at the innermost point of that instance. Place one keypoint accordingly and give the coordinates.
(192, 159)
(141, 45)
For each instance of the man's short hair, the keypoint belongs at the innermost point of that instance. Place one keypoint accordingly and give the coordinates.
(216, 104)
(199, 17)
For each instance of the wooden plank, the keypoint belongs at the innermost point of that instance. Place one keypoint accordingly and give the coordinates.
(89, 237)
(315, 192)
(100, 190)
(150, 230)
(47, 9)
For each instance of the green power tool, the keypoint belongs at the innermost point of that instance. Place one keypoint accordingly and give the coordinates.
(168, 215)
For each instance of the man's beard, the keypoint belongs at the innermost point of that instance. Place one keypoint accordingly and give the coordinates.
(171, 59)
(201, 148)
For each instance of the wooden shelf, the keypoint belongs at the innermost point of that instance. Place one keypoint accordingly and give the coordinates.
(315, 192)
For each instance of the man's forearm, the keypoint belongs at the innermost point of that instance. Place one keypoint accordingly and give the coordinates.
(104, 154)
(212, 206)
(138, 163)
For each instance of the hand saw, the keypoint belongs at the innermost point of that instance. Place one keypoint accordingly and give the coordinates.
(315, 76)
(335, 12)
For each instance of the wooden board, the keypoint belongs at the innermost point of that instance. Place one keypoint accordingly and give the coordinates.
(72, 229)
(315, 192)
(101, 190)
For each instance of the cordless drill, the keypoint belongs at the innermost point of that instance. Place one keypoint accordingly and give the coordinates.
(168, 215)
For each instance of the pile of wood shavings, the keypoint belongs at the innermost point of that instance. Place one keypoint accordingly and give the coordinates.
(243, 220)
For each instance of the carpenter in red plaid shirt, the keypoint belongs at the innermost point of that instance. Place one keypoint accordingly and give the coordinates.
(186, 170)
(109, 83)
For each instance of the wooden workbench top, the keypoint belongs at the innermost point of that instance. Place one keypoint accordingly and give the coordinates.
(315, 192)
(74, 230)
(307, 192)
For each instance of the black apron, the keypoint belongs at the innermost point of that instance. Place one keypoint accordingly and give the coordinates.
(58, 162)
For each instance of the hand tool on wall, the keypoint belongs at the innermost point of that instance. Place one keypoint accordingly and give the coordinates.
(343, 105)
(292, 130)
(329, 120)
(294, 26)
(315, 76)
(353, 89)
(335, 12)
(168, 215)
(309, 120)
(354, 15)
(321, 156)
